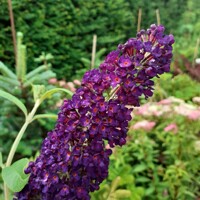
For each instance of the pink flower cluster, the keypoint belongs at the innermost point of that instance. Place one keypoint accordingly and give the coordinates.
(166, 108)
(169, 106)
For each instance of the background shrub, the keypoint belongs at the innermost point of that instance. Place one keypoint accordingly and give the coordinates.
(65, 28)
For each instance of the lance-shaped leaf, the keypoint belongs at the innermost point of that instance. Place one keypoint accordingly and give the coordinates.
(7, 72)
(15, 100)
(47, 75)
(52, 91)
(41, 116)
(13, 82)
(37, 71)
(1, 160)
(42, 76)
(5, 86)
(115, 184)
(119, 195)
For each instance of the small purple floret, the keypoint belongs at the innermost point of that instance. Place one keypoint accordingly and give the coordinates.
(124, 62)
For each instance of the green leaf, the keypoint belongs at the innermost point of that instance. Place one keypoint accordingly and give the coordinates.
(139, 168)
(40, 116)
(149, 191)
(86, 61)
(44, 57)
(6, 71)
(14, 175)
(47, 75)
(13, 82)
(30, 81)
(115, 184)
(40, 77)
(189, 194)
(119, 194)
(100, 52)
(15, 100)
(37, 71)
(1, 160)
(127, 179)
(38, 91)
(49, 56)
(5, 86)
(52, 91)
(122, 194)
(140, 191)
(142, 179)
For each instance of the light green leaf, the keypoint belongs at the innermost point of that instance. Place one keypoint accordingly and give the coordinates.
(5, 86)
(142, 179)
(100, 52)
(40, 116)
(121, 194)
(28, 82)
(15, 100)
(115, 184)
(47, 75)
(139, 168)
(140, 191)
(127, 179)
(189, 194)
(37, 71)
(38, 91)
(52, 91)
(13, 82)
(1, 160)
(14, 175)
(85, 61)
(42, 76)
(149, 191)
(6, 71)
(49, 56)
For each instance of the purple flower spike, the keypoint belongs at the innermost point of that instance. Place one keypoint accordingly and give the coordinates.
(74, 160)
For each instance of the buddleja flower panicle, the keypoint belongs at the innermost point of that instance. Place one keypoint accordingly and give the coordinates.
(74, 160)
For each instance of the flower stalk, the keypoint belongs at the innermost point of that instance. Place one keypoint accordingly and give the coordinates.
(28, 120)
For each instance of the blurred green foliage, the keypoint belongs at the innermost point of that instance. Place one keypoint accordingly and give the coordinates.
(20, 85)
(65, 28)
(188, 30)
(157, 164)
(181, 86)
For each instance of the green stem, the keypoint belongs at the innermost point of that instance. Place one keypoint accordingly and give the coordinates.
(15, 144)
(113, 93)
(28, 120)
(6, 192)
